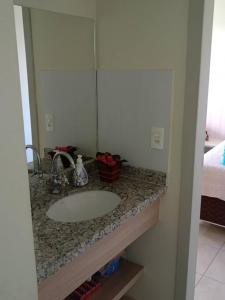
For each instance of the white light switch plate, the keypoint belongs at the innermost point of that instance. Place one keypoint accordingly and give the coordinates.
(157, 138)
(49, 122)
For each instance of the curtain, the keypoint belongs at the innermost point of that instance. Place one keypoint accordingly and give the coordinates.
(215, 124)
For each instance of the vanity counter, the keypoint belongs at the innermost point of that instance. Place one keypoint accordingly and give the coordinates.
(57, 243)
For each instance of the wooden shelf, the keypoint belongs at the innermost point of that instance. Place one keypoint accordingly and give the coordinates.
(117, 285)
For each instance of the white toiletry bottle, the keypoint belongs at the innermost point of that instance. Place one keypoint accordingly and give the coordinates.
(81, 176)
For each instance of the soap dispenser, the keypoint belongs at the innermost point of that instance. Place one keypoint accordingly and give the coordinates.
(81, 176)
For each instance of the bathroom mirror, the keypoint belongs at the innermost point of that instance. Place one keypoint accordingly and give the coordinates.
(61, 103)
(58, 79)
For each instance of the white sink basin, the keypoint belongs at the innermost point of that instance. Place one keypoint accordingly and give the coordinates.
(83, 206)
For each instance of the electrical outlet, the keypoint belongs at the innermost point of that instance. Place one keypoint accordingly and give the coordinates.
(49, 122)
(157, 138)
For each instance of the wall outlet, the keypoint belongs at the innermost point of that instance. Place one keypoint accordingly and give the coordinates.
(49, 122)
(157, 138)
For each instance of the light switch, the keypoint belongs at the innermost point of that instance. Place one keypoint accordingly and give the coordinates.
(49, 122)
(157, 138)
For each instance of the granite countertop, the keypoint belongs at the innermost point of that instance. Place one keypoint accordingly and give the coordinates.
(57, 243)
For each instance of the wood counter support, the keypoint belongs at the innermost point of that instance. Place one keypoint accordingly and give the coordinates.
(72, 275)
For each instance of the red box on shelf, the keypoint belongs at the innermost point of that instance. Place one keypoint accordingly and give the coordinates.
(109, 166)
(109, 173)
(85, 291)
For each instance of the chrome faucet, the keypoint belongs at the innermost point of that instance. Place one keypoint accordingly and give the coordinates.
(59, 178)
(37, 170)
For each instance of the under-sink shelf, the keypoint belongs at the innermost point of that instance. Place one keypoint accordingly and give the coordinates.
(127, 298)
(72, 275)
(117, 285)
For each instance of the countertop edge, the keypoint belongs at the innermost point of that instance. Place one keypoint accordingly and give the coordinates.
(51, 268)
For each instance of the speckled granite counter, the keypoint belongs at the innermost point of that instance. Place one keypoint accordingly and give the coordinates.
(56, 243)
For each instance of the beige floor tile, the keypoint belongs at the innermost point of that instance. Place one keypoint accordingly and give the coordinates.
(212, 236)
(197, 278)
(209, 289)
(217, 268)
(206, 254)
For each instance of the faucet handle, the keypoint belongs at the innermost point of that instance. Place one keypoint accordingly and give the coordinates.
(64, 180)
(59, 182)
(56, 184)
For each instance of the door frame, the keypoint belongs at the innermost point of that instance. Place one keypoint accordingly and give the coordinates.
(196, 97)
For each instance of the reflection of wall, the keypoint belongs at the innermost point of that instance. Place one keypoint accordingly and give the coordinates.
(149, 34)
(130, 104)
(62, 42)
(70, 97)
(82, 8)
(63, 45)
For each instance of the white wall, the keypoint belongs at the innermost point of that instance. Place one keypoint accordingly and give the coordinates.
(151, 35)
(64, 62)
(130, 103)
(82, 8)
(197, 79)
(17, 272)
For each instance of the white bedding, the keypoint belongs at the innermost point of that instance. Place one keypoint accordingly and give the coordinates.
(214, 173)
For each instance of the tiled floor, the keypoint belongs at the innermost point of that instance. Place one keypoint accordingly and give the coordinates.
(210, 272)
